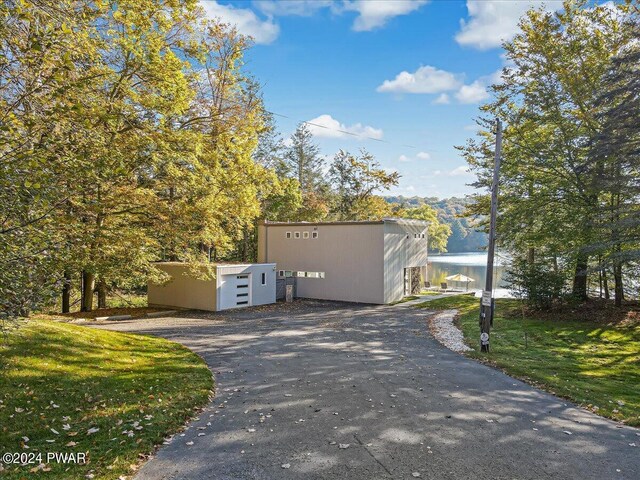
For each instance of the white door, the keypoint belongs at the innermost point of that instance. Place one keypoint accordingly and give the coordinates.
(235, 291)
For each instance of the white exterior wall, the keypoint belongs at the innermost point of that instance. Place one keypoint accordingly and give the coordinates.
(349, 254)
(401, 250)
(259, 294)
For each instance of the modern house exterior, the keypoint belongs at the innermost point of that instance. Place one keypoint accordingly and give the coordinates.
(233, 286)
(367, 262)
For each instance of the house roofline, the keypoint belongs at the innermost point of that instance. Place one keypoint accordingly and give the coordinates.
(399, 221)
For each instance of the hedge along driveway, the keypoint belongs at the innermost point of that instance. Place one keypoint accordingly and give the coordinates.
(114, 396)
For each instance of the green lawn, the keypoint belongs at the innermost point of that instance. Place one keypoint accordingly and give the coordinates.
(593, 363)
(115, 396)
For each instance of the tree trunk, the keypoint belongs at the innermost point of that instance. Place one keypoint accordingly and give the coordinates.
(618, 287)
(605, 284)
(580, 277)
(531, 255)
(88, 285)
(102, 294)
(66, 292)
(245, 244)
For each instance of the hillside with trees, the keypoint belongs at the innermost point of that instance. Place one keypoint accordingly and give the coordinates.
(466, 233)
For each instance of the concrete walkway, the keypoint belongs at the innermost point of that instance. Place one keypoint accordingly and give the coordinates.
(336, 391)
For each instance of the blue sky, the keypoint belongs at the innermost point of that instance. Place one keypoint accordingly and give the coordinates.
(410, 73)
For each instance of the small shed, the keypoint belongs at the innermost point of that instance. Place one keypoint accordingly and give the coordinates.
(233, 286)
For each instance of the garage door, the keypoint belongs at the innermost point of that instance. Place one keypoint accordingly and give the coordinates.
(235, 291)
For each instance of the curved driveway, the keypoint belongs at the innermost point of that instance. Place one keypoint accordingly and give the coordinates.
(317, 390)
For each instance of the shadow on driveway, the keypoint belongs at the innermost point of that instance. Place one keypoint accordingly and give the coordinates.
(297, 381)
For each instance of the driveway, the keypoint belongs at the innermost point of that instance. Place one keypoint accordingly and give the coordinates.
(318, 390)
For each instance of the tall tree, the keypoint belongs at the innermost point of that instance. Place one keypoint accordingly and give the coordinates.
(616, 156)
(550, 194)
(303, 161)
(354, 180)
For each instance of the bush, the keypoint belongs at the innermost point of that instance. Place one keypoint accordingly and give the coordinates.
(536, 283)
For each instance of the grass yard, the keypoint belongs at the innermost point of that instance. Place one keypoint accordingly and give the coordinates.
(67, 388)
(595, 363)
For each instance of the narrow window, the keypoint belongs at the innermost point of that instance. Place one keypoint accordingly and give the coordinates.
(314, 234)
(288, 234)
(296, 235)
(246, 302)
(305, 234)
(264, 278)
(281, 273)
(423, 235)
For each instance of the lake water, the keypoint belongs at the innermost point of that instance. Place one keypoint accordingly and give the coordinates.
(470, 264)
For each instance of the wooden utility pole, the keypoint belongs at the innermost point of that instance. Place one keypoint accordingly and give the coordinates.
(487, 302)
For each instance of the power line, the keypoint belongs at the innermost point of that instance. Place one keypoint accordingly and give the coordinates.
(346, 132)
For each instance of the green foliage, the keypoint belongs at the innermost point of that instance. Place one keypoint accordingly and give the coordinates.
(552, 198)
(354, 180)
(466, 234)
(537, 283)
(127, 135)
(438, 232)
(71, 379)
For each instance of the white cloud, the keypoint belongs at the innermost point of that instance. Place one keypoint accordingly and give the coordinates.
(326, 126)
(459, 171)
(426, 79)
(371, 14)
(474, 93)
(493, 21)
(423, 156)
(376, 14)
(443, 99)
(301, 8)
(403, 158)
(245, 20)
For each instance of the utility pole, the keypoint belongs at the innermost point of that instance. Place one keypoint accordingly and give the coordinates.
(487, 302)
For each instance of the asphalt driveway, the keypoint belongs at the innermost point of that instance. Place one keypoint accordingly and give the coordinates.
(317, 390)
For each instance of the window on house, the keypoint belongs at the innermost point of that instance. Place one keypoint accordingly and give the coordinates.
(314, 234)
(263, 278)
(310, 274)
(288, 234)
(281, 273)
(296, 235)
(305, 234)
(423, 235)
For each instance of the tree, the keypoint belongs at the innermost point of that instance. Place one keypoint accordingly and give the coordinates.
(616, 155)
(354, 180)
(550, 193)
(303, 161)
(127, 131)
(438, 232)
